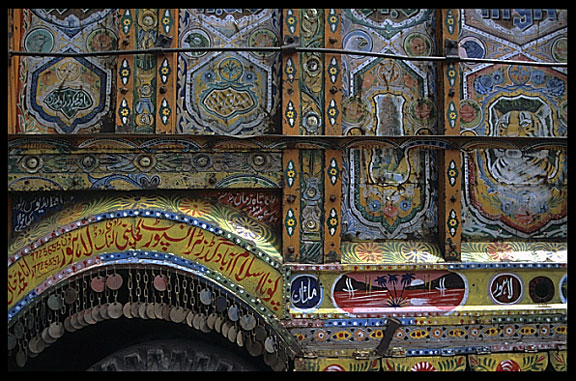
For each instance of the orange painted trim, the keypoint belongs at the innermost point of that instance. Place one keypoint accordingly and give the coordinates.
(333, 73)
(14, 85)
(290, 75)
(166, 66)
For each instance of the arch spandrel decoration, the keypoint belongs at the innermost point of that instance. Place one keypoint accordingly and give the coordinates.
(175, 229)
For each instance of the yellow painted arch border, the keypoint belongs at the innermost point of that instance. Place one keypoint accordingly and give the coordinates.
(82, 235)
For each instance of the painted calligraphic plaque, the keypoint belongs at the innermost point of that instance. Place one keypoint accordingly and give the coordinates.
(506, 289)
(305, 292)
(66, 95)
(397, 291)
(230, 93)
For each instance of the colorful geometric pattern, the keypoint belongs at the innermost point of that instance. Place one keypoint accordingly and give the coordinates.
(230, 93)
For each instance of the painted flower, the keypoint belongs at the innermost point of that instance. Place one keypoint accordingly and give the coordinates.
(497, 77)
(423, 366)
(164, 70)
(369, 252)
(194, 208)
(390, 210)
(246, 227)
(555, 87)
(483, 84)
(415, 252)
(405, 205)
(374, 205)
(499, 250)
(538, 77)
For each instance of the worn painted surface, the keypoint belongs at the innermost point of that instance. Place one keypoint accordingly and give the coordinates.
(323, 238)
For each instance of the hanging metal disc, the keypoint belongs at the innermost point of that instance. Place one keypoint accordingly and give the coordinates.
(115, 310)
(269, 344)
(54, 302)
(160, 282)
(211, 320)
(104, 311)
(36, 345)
(98, 283)
(96, 313)
(80, 319)
(46, 336)
(142, 311)
(247, 322)
(254, 347)
(240, 339)
(21, 358)
(12, 341)
(70, 295)
(218, 324)
(233, 313)
(127, 310)
(225, 328)
(74, 322)
(88, 317)
(67, 326)
(231, 334)
(206, 297)
(151, 310)
(18, 330)
(260, 333)
(114, 281)
(56, 330)
(158, 307)
(204, 324)
(177, 314)
(221, 304)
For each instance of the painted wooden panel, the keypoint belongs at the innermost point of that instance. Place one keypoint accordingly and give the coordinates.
(66, 95)
(389, 193)
(511, 194)
(383, 96)
(229, 93)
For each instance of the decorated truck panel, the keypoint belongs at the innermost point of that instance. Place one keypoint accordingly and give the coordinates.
(287, 189)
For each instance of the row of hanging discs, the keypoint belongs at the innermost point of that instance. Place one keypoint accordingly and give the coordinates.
(144, 292)
(79, 302)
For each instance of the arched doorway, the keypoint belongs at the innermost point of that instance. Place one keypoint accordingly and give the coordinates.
(172, 258)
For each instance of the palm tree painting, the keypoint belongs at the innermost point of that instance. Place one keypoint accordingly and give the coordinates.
(399, 291)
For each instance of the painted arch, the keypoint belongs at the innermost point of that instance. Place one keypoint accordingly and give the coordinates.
(175, 230)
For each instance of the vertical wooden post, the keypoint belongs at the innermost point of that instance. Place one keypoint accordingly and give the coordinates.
(125, 71)
(450, 162)
(333, 73)
(291, 205)
(333, 126)
(15, 19)
(290, 126)
(290, 74)
(166, 65)
(332, 204)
